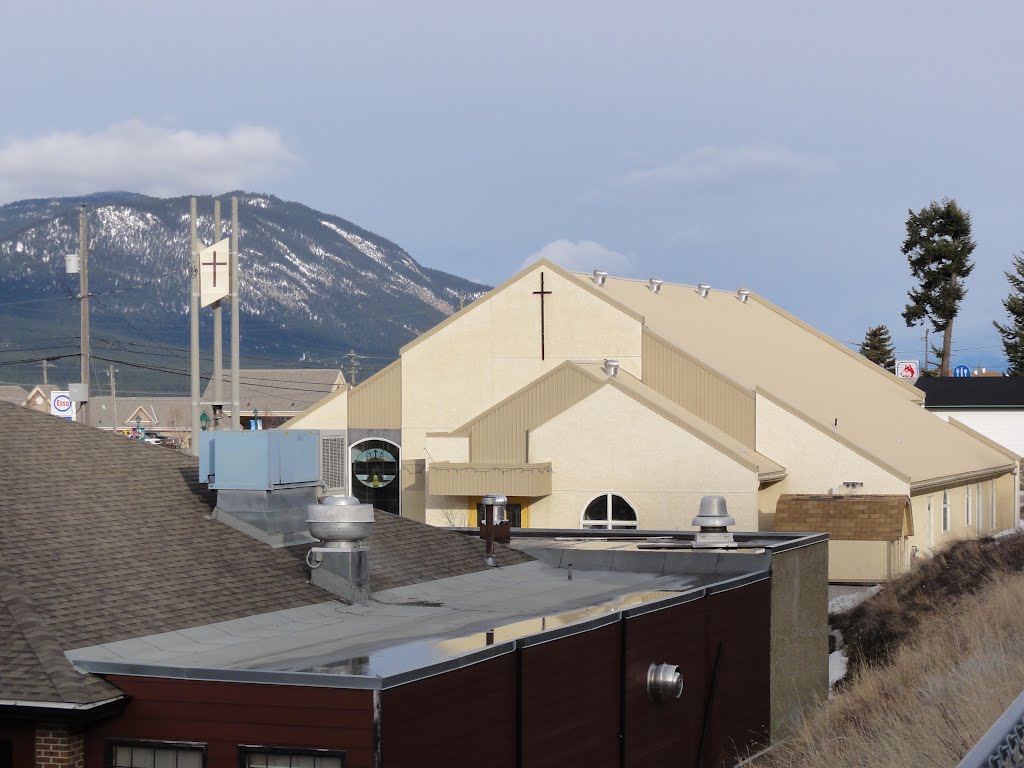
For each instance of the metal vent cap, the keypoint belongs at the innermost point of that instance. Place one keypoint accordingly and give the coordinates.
(713, 514)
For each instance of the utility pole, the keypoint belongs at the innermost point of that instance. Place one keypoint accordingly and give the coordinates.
(83, 304)
(47, 364)
(113, 395)
(194, 318)
(236, 396)
(353, 360)
(218, 325)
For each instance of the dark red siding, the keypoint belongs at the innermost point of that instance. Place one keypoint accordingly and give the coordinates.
(740, 621)
(465, 717)
(571, 700)
(22, 737)
(224, 715)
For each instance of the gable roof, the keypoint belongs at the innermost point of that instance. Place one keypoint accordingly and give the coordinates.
(758, 345)
(12, 393)
(288, 390)
(104, 538)
(157, 412)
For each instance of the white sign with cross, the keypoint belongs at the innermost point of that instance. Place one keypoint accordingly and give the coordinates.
(214, 266)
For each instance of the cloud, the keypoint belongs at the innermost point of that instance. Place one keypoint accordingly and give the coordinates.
(137, 157)
(712, 166)
(583, 256)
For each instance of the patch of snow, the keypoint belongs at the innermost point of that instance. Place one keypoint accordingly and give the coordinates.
(844, 603)
(837, 664)
(258, 202)
(19, 247)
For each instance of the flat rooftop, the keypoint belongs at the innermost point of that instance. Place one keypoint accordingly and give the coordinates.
(411, 632)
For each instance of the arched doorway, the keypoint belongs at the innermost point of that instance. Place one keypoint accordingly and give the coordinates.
(376, 474)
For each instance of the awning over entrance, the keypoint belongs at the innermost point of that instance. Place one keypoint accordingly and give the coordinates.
(447, 479)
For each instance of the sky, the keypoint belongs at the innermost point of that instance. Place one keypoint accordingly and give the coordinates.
(772, 146)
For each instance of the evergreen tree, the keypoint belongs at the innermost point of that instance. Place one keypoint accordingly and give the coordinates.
(938, 247)
(1013, 332)
(877, 347)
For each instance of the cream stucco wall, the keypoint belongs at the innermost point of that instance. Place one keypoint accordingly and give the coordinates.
(815, 462)
(330, 413)
(610, 442)
(446, 510)
(493, 349)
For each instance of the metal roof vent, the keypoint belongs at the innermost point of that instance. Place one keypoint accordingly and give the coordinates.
(341, 564)
(743, 294)
(599, 277)
(654, 285)
(703, 289)
(664, 682)
(611, 367)
(340, 522)
(713, 519)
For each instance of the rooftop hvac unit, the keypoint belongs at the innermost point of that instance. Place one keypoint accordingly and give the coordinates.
(257, 460)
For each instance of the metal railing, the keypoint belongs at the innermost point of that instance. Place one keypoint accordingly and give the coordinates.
(1002, 746)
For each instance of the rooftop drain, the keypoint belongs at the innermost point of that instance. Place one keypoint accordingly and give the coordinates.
(703, 290)
(713, 519)
(743, 294)
(611, 367)
(599, 277)
(654, 285)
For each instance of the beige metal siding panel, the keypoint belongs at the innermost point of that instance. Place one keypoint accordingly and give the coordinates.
(377, 402)
(444, 479)
(702, 391)
(500, 436)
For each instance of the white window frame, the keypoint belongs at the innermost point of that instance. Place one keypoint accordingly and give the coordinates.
(945, 511)
(316, 756)
(606, 525)
(978, 505)
(994, 519)
(967, 506)
(175, 747)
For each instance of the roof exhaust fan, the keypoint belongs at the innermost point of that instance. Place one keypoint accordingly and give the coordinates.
(743, 294)
(611, 367)
(713, 520)
(703, 290)
(599, 277)
(654, 285)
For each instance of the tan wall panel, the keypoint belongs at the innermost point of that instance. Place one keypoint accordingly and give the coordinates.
(500, 437)
(332, 413)
(858, 561)
(493, 349)
(377, 402)
(609, 442)
(454, 448)
(697, 388)
(814, 461)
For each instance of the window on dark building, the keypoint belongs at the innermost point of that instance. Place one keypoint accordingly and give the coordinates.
(155, 754)
(273, 757)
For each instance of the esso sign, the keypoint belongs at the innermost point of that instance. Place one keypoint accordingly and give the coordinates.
(62, 403)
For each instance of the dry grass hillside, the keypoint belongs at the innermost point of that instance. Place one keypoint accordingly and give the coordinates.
(937, 655)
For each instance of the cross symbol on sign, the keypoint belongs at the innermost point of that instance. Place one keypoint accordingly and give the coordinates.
(215, 264)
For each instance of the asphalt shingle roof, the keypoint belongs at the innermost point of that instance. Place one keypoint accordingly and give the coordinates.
(105, 538)
(278, 389)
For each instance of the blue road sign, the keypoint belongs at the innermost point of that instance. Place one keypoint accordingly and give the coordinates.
(961, 372)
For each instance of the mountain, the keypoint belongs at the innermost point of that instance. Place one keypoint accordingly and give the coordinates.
(313, 287)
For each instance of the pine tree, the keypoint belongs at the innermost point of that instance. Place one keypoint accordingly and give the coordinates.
(938, 247)
(877, 347)
(1013, 332)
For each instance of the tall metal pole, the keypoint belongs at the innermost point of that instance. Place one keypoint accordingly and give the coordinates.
(236, 396)
(218, 324)
(83, 303)
(194, 318)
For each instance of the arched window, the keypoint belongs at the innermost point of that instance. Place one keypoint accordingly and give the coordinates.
(945, 511)
(609, 511)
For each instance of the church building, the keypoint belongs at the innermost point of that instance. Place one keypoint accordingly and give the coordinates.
(600, 402)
